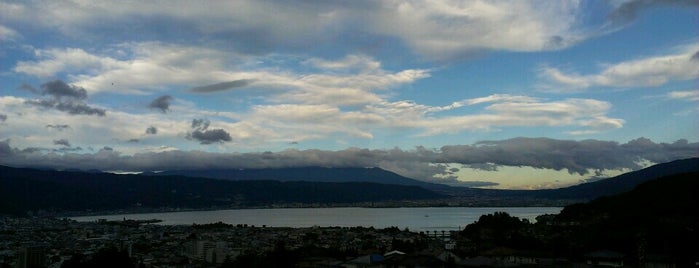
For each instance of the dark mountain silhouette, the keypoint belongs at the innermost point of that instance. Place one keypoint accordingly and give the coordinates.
(621, 183)
(317, 174)
(658, 217)
(653, 225)
(23, 189)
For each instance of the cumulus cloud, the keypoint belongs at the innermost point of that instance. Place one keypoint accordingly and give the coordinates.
(644, 72)
(582, 157)
(161, 103)
(223, 86)
(201, 133)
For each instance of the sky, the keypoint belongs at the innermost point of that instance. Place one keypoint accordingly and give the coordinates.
(494, 94)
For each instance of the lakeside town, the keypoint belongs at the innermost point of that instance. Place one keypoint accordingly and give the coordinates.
(54, 242)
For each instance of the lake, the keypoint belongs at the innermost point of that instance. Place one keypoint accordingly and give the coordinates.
(413, 218)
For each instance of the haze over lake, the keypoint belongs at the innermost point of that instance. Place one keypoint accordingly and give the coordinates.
(415, 219)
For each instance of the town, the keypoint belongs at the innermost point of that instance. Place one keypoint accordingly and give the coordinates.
(496, 240)
(52, 242)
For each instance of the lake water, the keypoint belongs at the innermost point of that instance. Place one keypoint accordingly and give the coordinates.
(416, 219)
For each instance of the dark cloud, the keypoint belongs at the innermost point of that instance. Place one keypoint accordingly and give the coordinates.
(581, 157)
(68, 106)
(223, 86)
(62, 142)
(575, 156)
(58, 127)
(161, 103)
(59, 89)
(628, 11)
(477, 184)
(3, 117)
(210, 136)
(63, 97)
(204, 135)
(200, 123)
(134, 140)
(151, 130)
(695, 56)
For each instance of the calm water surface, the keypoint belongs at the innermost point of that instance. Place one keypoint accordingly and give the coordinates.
(416, 219)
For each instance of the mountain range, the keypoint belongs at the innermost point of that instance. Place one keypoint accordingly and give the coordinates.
(26, 189)
(581, 192)
(317, 174)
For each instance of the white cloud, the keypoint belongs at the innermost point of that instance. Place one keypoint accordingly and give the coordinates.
(644, 72)
(144, 68)
(687, 95)
(444, 29)
(8, 34)
(505, 111)
(150, 67)
(350, 62)
(437, 30)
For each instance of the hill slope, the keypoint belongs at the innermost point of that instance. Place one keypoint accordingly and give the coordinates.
(22, 190)
(658, 217)
(318, 174)
(621, 183)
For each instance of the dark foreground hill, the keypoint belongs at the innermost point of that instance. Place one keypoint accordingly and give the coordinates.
(654, 225)
(23, 190)
(657, 218)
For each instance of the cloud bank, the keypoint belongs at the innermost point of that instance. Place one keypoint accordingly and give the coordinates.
(582, 157)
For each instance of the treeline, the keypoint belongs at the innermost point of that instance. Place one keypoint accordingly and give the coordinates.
(23, 190)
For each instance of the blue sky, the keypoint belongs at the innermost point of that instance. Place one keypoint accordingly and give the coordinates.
(520, 94)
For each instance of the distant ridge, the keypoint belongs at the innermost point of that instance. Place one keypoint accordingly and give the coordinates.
(24, 189)
(317, 174)
(622, 183)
